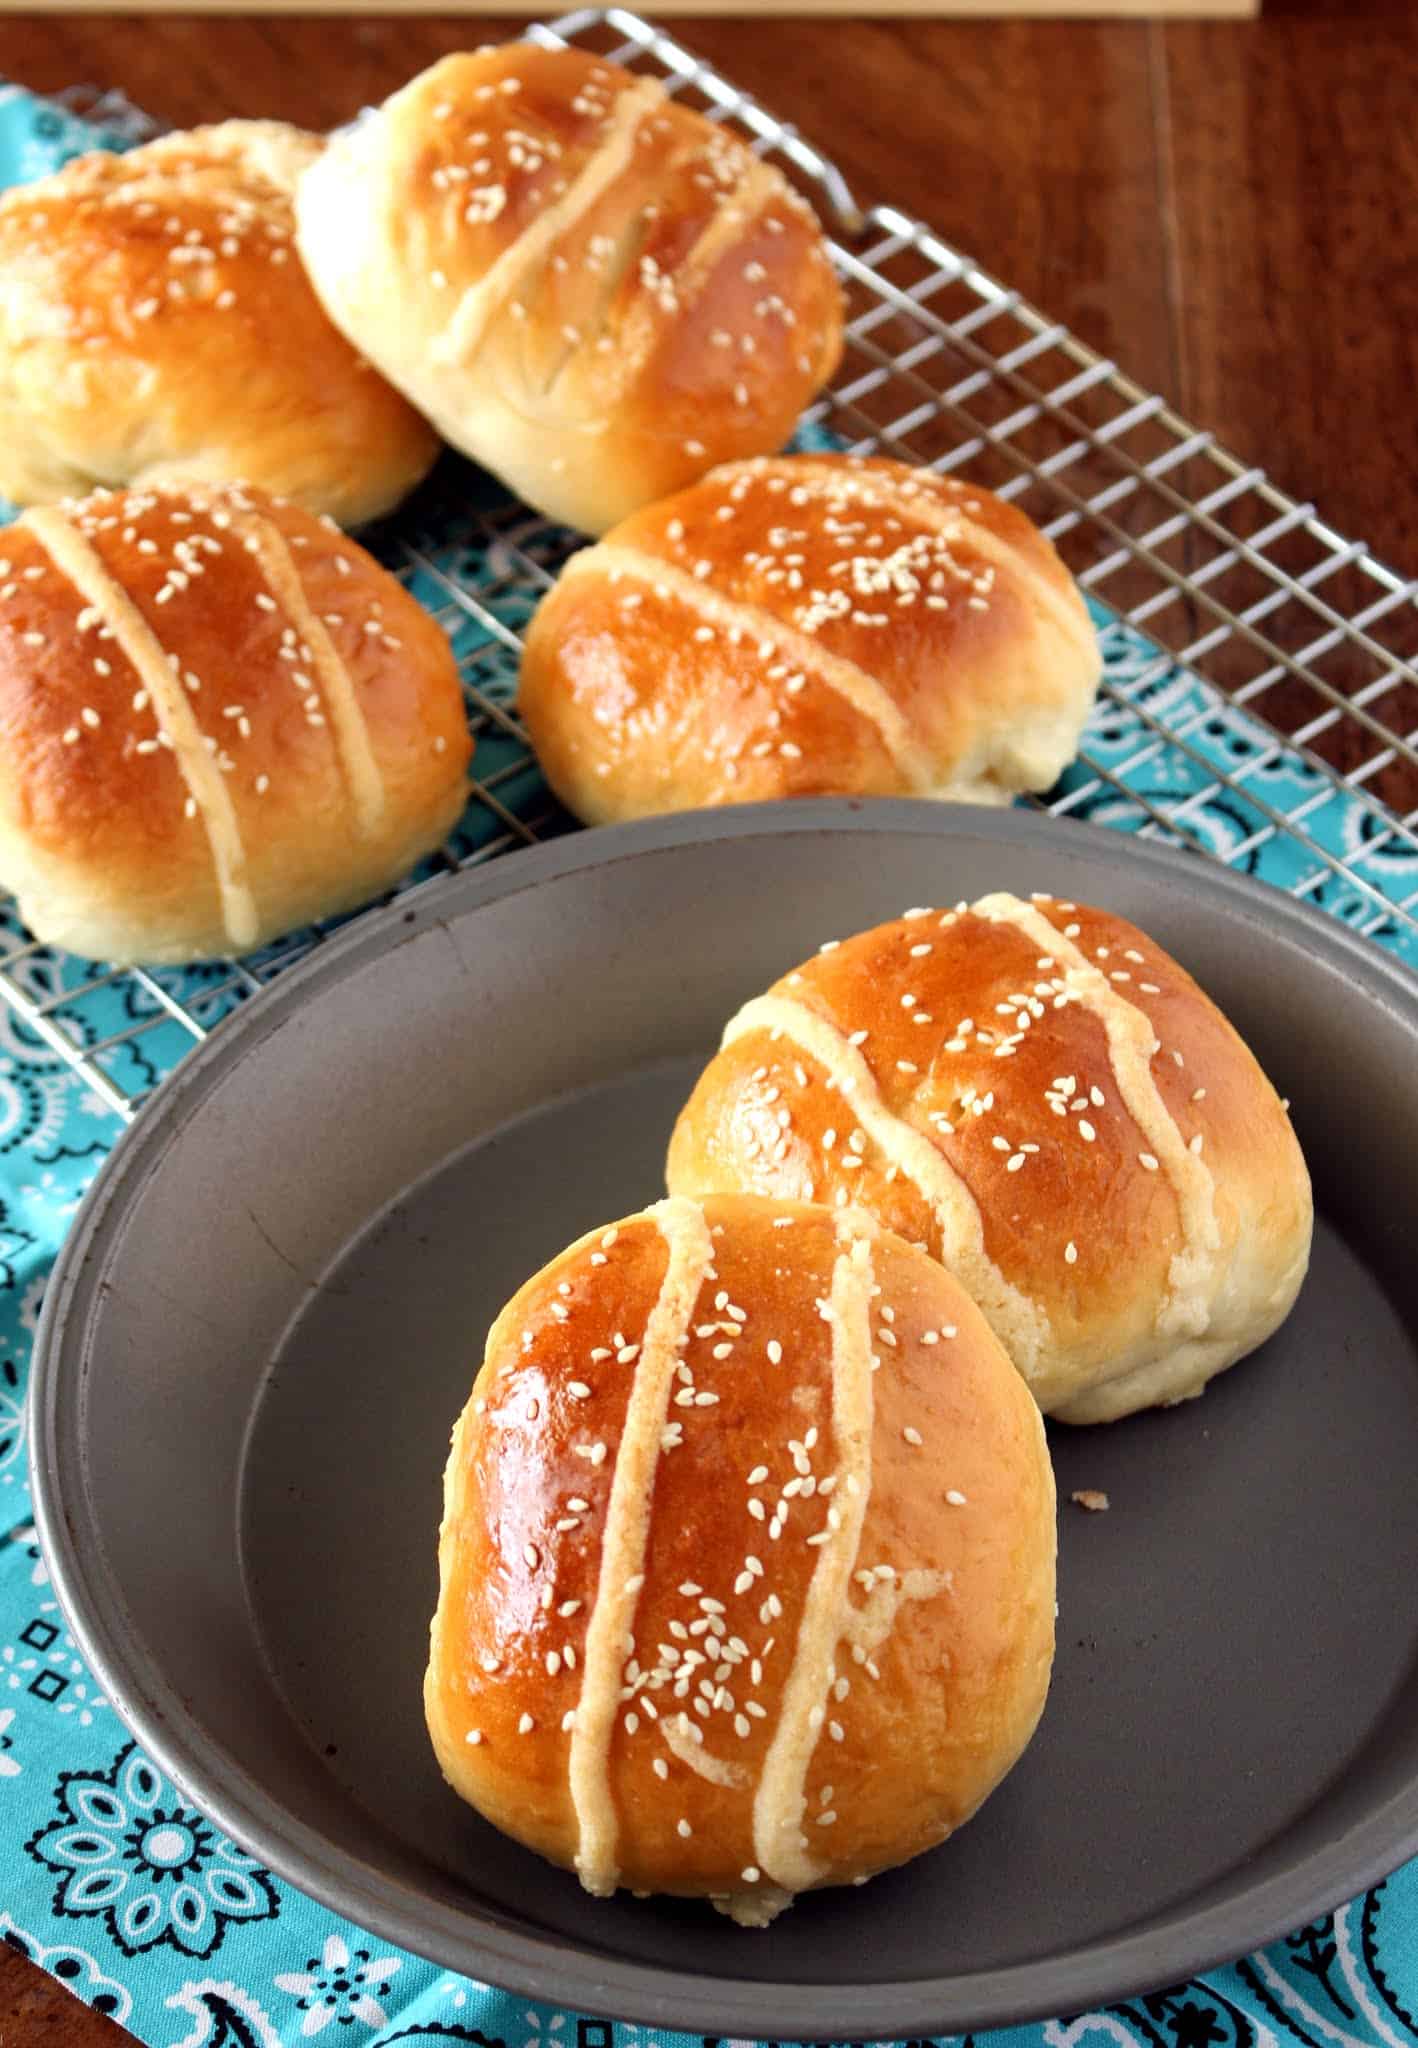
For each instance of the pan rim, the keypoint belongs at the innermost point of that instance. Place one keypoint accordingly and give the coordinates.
(1188, 1938)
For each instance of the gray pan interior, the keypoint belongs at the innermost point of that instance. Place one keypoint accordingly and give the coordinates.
(274, 1301)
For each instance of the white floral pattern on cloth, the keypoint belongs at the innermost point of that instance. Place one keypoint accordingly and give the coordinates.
(340, 1986)
(98, 1849)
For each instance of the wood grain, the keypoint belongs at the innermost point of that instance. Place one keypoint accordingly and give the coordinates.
(1224, 209)
(37, 2012)
(1074, 10)
(1292, 168)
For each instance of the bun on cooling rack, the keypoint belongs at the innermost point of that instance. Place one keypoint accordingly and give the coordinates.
(805, 626)
(221, 719)
(591, 290)
(747, 1558)
(1043, 1098)
(155, 320)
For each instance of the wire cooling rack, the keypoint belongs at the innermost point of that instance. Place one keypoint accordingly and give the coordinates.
(1258, 704)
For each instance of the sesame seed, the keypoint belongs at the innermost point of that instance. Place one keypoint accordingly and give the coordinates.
(912, 1436)
(1148, 1160)
(956, 1498)
(525, 1725)
(473, 1737)
(1070, 1253)
(683, 1829)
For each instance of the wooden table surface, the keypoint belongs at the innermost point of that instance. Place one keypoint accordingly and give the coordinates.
(1225, 208)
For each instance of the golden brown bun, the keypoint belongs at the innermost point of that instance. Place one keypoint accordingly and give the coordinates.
(812, 625)
(799, 1609)
(593, 291)
(155, 321)
(218, 720)
(1043, 1098)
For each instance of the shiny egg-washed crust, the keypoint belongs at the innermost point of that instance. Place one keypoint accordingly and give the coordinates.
(219, 719)
(809, 625)
(593, 291)
(155, 321)
(747, 1558)
(1042, 1097)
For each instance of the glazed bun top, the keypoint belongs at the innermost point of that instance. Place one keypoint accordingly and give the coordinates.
(747, 1557)
(1045, 1099)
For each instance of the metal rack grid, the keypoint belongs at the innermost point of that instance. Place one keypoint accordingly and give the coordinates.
(1264, 668)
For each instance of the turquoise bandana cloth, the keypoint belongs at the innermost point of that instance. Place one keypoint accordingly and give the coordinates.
(121, 1888)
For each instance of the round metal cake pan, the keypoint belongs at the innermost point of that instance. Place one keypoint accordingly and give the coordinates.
(273, 1303)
